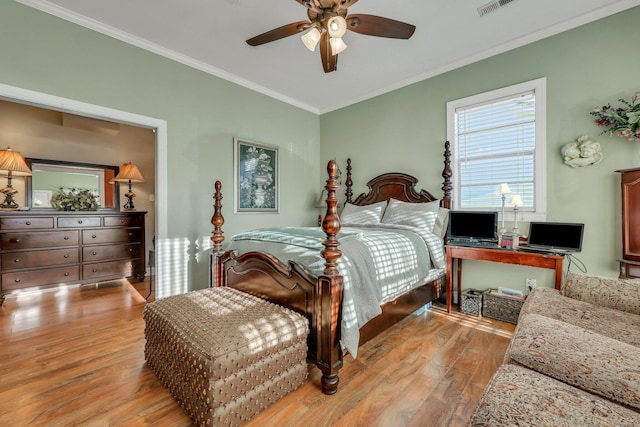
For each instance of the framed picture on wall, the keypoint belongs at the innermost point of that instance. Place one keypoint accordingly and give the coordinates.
(256, 177)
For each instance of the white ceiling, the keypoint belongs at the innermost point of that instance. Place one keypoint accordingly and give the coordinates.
(210, 35)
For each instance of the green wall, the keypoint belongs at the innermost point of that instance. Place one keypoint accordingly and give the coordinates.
(45, 54)
(591, 65)
(403, 130)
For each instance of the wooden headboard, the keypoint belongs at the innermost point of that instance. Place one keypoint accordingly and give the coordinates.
(400, 186)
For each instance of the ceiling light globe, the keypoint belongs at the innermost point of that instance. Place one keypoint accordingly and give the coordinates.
(311, 39)
(337, 46)
(337, 26)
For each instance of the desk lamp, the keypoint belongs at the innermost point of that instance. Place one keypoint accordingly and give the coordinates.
(516, 201)
(503, 189)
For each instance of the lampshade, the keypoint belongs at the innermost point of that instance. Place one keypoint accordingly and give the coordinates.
(311, 39)
(336, 26)
(516, 200)
(504, 189)
(337, 45)
(12, 161)
(128, 173)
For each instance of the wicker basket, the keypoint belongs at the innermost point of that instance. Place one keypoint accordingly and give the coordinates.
(471, 302)
(501, 307)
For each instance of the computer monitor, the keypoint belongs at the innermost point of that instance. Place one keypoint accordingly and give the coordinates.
(556, 236)
(473, 226)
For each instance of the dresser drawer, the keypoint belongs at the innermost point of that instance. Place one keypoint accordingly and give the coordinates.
(25, 223)
(123, 220)
(14, 260)
(110, 252)
(90, 237)
(45, 276)
(77, 222)
(115, 269)
(44, 239)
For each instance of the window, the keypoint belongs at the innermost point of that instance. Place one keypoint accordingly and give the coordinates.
(499, 137)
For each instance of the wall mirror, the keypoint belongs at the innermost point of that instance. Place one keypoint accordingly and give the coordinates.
(50, 176)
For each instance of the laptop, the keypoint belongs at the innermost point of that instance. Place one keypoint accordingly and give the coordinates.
(555, 237)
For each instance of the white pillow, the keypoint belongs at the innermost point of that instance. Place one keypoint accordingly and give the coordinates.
(362, 215)
(421, 215)
(440, 229)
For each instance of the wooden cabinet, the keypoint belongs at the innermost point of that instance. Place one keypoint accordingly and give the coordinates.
(630, 262)
(48, 249)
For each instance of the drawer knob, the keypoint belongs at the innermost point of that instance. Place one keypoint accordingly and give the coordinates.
(94, 253)
(17, 280)
(16, 260)
(66, 255)
(122, 221)
(93, 236)
(66, 274)
(130, 249)
(28, 222)
(66, 237)
(79, 221)
(15, 240)
(130, 234)
(95, 270)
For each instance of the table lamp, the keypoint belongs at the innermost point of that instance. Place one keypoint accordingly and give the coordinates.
(516, 201)
(321, 204)
(503, 189)
(11, 164)
(129, 173)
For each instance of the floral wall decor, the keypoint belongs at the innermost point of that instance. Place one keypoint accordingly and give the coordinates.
(256, 177)
(582, 152)
(623, 121)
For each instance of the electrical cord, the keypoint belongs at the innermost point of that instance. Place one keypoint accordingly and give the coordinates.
(574, 260)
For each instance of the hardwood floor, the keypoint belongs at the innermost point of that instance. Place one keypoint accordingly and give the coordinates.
(75, 356)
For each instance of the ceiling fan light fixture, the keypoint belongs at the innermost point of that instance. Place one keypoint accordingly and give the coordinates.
(311, 39)
(336, 26)
(337, 45)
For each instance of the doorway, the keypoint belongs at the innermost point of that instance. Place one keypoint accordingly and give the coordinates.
(99, 113)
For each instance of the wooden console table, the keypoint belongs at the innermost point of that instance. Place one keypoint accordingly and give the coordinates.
(507, 256)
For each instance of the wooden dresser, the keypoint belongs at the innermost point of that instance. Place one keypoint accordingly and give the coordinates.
(630, 262)
(46, 249)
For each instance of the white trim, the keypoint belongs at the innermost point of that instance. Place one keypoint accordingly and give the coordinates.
(25, 96)
(69, 15)
(539, 86)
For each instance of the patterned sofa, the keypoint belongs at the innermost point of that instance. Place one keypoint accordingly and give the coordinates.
(574, 359)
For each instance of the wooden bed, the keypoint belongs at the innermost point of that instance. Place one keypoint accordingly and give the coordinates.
(319, 298)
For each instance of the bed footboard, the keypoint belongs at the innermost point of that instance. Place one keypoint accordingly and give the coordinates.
(318, 299)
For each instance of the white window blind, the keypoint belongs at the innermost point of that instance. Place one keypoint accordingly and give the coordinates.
(496, 139)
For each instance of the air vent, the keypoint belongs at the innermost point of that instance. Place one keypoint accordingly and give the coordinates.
(493, 6)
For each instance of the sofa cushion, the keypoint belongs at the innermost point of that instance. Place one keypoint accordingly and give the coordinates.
(615, 324)
(578, 357)
(608, 292)
(517, 396)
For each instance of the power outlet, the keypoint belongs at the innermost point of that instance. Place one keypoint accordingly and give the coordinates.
(530, 284)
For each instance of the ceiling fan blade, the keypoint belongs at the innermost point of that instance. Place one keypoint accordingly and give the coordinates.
(279, 33)
(344, 4)
(329, 60)
(372, 25)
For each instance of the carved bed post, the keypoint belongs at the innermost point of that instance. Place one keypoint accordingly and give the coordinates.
(331, 285)
(217, 237)
(447, 185)
(348, 182)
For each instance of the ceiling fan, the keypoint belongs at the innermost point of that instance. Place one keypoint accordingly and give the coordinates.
(328, 21)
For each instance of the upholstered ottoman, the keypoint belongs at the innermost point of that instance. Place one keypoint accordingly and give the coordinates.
(223, 354)
(517, 396)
